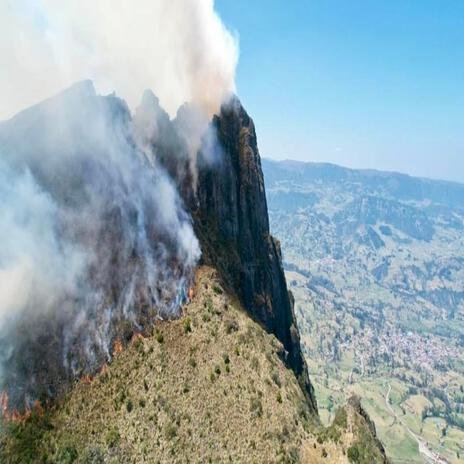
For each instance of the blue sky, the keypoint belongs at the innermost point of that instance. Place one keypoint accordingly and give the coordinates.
(362, 83)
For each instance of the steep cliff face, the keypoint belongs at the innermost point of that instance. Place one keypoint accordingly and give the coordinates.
(231, 221)
(226, 197)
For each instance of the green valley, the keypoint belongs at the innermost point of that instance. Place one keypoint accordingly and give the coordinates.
(375, 262)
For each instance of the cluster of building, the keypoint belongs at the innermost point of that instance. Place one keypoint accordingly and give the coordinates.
(394, 345)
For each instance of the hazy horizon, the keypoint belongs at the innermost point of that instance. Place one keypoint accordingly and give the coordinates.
(266, 157)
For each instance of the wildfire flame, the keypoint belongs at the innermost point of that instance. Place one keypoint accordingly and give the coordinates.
(136, 337)
(38, 408)
(190, 294)
(104, 369)
(86, 379)
(117, 348)
(15, 415)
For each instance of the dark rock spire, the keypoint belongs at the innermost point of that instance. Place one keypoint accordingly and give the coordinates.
(231, 221)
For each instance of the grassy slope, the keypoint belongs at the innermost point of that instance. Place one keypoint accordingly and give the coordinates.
(209, 387)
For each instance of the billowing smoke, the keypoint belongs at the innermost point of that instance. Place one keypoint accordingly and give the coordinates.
(178, 48)
(96, 240)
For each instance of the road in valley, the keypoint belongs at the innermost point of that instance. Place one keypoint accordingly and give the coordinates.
(430, 456)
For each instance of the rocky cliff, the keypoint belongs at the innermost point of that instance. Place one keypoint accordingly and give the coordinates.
(226, 196)
(231, 221)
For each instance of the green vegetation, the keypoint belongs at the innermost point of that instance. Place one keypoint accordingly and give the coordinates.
(159, 337)
(112, 437)
(187, 325)
(217, 289)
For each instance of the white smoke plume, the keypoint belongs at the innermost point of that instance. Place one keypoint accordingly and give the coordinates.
(96, 241)
(178, 48)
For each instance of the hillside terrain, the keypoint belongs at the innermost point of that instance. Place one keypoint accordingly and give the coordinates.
(376, 264)
(208, 387)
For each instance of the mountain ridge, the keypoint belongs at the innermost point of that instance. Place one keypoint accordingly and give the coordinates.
(233, 206)
(239, 312)
(367, 171)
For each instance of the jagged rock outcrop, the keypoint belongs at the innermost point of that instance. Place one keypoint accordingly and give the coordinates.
(231, 221)
(366, 446)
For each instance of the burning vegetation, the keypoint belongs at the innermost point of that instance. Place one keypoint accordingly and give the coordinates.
(190, 294)
(109, 245)
(14, 415)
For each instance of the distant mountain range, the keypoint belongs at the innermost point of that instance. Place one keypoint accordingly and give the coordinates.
(376, 264)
